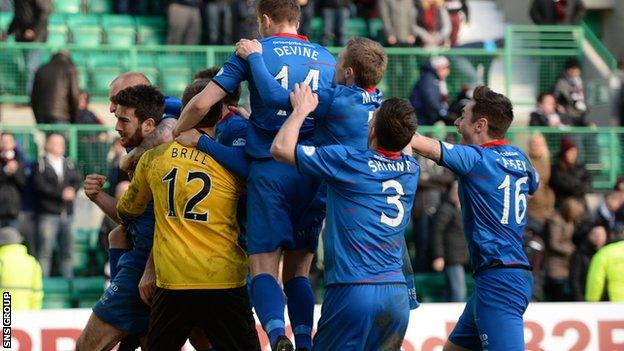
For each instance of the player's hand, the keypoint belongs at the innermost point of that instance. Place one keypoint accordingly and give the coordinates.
(438, 264)
(411, 39)
(391, 40)
(147, 285)
(246, 47)
(129, 161)
(29, 34)
(93, 185)
(303, 100)
(240, 111)
(189, 138)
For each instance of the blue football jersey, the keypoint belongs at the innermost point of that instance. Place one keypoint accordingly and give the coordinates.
(140, 231)
(495, 180)
(232, 130)
(290, 59)
(370, 198)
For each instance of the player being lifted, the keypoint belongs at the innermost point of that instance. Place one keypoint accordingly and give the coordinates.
(278, 196)
(200, 267)
(369, 192)
(495, 179)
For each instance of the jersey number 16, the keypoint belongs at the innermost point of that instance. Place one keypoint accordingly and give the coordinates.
(520, 202)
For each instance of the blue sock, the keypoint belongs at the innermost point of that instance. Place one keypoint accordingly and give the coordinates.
(300, 310)
(113, 259)
(268, 300)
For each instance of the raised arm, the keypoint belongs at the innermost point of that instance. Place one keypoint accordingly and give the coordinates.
(426, 147)
(198, 107)
(284, 145)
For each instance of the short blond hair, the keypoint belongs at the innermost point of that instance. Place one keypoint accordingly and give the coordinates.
(368, 60)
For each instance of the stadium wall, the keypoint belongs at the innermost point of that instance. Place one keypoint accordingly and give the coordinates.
(548, 326)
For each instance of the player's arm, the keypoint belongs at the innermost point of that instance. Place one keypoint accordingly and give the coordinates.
(134, 201)
(231, 157)
(93, 189)
(147, 284)
(284, 145)
(273, 94)
(596, 277)
(162, 134)
(426, 147)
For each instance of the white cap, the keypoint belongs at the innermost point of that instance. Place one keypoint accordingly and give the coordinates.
(439, 62)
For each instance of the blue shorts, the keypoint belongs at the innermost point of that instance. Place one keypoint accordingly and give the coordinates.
(121, 305)
(278, 208)
(363, 317)
(500, 298)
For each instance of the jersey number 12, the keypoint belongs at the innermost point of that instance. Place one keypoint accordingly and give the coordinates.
(520, 202)
(194, 200)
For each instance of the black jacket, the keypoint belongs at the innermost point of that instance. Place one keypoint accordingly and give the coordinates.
(543, 12)
(579, 266)
(448, 239)
(49, 189)
(31, 14)
(426, 97)
(54, 96)
(575, 181)
(10, 190)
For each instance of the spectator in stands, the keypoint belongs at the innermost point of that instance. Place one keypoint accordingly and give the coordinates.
(430, 94)
(433, 24)
(569, 93)
(579, 264)
(545, 12)
(20, 273)
(560, 247)
(542, 204)
(457, 106)
(568, 177)
(218, 24)
(607, 214)
(607, 269)
(398, 17)
(546, 113)
(54, 97)
(128, 7)
(434, 182)
(184, 22)
(30, 24)
(450, 249)
(86, 116)
(6, 5)
(56, 182)
(12, 181)
(456, 9)
(335, 19)
(307, 14)
(246, 20)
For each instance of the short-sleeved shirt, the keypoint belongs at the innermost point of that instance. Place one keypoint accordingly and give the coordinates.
(196, 235)
(290, 59)
(495, 180)
(369, 200)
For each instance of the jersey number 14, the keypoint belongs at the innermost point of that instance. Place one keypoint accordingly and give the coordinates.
(520, 199)
(311, 80)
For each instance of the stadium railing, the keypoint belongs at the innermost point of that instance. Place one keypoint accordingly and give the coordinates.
(531, 60)
(600, 149)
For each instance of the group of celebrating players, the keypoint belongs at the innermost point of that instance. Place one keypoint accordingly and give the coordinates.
(208, 217)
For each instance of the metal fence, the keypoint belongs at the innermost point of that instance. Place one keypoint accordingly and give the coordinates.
(530, 62)
(89, 147)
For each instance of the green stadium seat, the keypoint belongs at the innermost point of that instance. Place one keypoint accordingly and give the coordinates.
(108, 60)
(83, 76)
(151, 30)
(121, 37)
(99, 6)
(87, 36)
(316, 27)
(357, 27)
(376, 30)
(101, 79)
(429, 286)
(87, 290)
(172, 61)
(12, 76)
(117, 21)
(83, 20)
(175, 80)
(5, 20)
(58, 35)
(80, 261)
(56, 293)
(67, 6)
(151, 73)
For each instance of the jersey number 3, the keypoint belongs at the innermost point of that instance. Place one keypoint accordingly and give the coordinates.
(194, 200)
(520, 199)
(393, 200)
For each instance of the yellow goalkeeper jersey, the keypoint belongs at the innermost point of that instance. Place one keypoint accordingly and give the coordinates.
(196, 233)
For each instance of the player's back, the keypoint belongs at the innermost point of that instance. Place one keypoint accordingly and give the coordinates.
(290, 59)
(344, 118)
(196, 235)
(369, 202)
(232, 130)
(495, 181)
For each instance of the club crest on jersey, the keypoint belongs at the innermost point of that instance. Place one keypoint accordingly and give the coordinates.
(308, 150)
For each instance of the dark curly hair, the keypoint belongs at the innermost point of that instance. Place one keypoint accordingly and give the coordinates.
(147, 101)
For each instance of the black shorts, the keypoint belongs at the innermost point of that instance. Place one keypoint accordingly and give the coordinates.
(224, 315)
